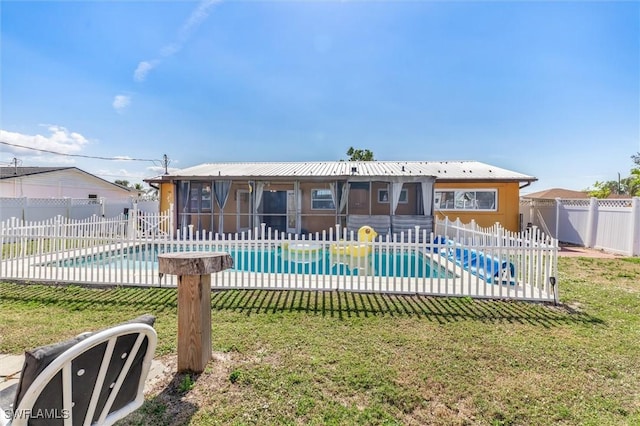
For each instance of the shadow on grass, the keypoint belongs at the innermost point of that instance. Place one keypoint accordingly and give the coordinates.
(168, 407)
(333, 304)
(440, 309)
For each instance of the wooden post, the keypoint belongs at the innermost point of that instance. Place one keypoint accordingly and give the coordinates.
(194, 271)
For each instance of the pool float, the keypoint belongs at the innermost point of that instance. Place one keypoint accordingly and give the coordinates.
(353, 254)
(302, 251)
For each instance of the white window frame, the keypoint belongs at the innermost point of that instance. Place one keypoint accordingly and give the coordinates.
(438, 199)
(315, 199)
(404, 196)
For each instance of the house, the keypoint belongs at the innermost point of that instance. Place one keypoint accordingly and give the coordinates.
(553, 193)
(300, 197)
(57, 182)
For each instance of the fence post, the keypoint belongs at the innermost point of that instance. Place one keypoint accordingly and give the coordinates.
(635, 227)
(532, 212)
(558, 204)
(131, 217)
(171, 221)
(591, 223)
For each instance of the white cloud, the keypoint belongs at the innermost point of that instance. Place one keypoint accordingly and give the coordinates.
(119, 173)
(121, 103)
(159, 170)
(170, 49)
(197, 17)
(41, 147)
(140, 74)
(59, 140)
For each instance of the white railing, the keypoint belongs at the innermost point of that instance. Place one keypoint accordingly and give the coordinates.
(495, 235)
(474, 263)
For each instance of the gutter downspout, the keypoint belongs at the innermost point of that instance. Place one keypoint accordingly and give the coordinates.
(525, 185)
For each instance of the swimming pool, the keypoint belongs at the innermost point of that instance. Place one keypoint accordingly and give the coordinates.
(275, 260)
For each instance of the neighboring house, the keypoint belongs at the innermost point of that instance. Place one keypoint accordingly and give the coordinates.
(553, 193)
(302, 197)
(57, 182)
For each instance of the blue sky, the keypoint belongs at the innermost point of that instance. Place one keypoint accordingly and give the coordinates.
(549, 89)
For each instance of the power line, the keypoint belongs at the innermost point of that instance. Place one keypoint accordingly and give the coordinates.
(79, 155)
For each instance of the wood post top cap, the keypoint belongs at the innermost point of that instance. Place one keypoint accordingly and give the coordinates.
(194, 262)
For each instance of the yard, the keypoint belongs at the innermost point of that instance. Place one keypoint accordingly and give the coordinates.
(343, 358)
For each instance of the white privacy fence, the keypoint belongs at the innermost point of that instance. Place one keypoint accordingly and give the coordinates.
(608, 224)
(37, 209)
(124, 251)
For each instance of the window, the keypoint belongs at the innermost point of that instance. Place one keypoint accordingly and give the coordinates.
(383, 196)
(200, 197)
(205, 203)
(321, 199)
(466, 199)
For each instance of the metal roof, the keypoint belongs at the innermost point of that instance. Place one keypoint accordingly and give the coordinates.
(441, 170)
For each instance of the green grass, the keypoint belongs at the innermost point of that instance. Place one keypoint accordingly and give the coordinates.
(342, 358)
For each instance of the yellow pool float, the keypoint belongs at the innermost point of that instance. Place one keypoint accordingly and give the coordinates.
(362, 248)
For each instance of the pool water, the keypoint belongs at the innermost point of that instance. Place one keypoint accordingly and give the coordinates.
(279, 261)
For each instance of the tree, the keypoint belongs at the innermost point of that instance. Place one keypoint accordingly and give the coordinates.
(137, 186)
(603, 189)
(360, 154)
(623, 186)
(634, 184)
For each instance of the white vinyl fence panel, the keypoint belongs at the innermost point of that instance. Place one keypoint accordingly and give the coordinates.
(36, 209)
(573, 221)
(610, 224)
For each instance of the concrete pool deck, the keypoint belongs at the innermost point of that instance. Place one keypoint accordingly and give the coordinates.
(11, 367)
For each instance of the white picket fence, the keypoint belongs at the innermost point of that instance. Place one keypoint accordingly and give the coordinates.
(461, 261)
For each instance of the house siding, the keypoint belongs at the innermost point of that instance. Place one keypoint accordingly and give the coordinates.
(307, 176)
(508, 212)
(70, 183)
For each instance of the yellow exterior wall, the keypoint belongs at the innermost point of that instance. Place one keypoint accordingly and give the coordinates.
(508, 212)
(167, 196)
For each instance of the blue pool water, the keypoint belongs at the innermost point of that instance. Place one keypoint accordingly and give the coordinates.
(279, 261)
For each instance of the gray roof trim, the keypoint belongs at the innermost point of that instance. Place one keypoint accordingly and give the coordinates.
(13, 172)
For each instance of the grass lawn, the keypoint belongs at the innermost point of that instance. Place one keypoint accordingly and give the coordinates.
(333, 359)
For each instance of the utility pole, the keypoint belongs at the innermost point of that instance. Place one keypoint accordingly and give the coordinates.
(165, 163)
(619, 183)
(14, 163)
